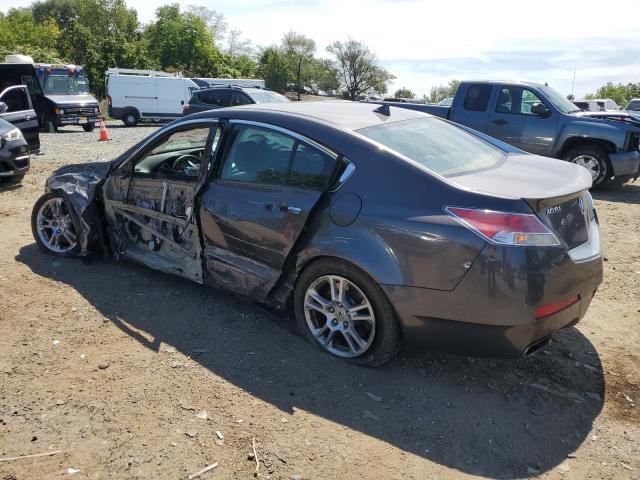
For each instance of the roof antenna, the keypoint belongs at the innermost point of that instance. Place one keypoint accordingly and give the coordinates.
(383, 110)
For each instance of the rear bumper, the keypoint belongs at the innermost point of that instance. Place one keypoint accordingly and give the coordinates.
(14, 160)
(625, 164)
(492, 311)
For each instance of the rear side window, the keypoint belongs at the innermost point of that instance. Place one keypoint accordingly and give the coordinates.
(216, 98)
(238, 98)
(310, 168)
(437, 145)
(477, 98)
(258, 155)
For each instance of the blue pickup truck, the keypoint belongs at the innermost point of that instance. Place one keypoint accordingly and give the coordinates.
(537, 119)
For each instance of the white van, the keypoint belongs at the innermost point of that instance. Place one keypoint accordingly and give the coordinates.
(135, 95)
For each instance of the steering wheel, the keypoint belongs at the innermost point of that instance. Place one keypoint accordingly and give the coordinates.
(186, 162)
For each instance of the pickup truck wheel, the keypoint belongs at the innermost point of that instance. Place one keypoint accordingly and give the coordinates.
(594, 159)
(89, 127)
(130, 119)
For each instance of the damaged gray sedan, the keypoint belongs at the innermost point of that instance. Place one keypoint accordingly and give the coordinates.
(375, 225)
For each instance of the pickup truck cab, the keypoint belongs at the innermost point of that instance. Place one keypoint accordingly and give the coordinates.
(537, 119)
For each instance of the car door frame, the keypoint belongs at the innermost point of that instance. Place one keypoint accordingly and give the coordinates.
(252, 267)
(530, 123)
(25, 120)
(125, 170)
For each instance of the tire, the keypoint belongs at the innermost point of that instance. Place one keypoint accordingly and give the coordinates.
(14, 180)
(67, 248)
(130, 119)
(385, 338)
(89, 127)
(595, 157)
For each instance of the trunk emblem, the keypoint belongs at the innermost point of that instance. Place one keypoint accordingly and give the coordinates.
(555, 209)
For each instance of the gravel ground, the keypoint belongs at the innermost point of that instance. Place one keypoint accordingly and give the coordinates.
(129, 373)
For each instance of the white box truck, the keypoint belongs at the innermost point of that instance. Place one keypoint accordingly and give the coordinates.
(136, 95)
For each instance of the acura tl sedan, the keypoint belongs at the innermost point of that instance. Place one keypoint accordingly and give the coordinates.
(375, 225)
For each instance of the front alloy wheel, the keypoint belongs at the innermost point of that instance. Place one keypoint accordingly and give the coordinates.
(339, 316)
(52, 226)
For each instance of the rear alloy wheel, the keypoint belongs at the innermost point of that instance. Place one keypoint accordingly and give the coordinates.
(594, 159)
(343, 311)
(52, 226)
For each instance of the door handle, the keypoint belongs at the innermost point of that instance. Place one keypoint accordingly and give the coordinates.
(500, 121)
(291, 210)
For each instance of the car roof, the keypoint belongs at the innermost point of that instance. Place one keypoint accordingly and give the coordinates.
(345, 114)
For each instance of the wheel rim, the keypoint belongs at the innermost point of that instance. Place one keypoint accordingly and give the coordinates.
(55, 227)
(131, 119)
(590, 163)
(339, 316)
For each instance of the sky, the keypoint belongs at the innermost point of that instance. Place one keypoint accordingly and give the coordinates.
(426, 43)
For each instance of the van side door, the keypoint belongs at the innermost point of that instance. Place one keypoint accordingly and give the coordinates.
(20, 113)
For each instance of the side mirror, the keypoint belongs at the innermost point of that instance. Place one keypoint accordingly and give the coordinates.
(540, 109)
(3, 107)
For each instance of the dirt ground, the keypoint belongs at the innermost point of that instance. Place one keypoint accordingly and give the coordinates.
(112, 366)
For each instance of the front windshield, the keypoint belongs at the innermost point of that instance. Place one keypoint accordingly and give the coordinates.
(64, 84)
(268, 97)
(436, 145)
(561, 103)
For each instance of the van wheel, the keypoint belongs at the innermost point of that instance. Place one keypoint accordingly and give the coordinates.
(594, 159)
(130, 119)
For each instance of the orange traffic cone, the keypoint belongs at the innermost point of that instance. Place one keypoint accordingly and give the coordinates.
(104, 136)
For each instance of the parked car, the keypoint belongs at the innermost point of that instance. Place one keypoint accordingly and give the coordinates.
(229, 96)
(377, 224)
(14, 152)
(539, 120)
(597, 105)
(138, 95)
(59, 92)
(17, 109)
(633, 105)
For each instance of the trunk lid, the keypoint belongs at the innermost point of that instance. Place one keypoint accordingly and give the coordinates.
(554, 189)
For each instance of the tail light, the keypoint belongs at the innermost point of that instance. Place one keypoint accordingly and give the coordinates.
(109, 100)
(552, 308)
(184, 107)
(503, 228)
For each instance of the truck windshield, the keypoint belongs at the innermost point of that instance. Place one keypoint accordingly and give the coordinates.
(65, 84)
(436, 145)
(561, 103)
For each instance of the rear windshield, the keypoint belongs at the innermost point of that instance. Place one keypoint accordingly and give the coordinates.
(436, 145)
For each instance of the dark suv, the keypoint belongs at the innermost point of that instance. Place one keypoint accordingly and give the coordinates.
(229, 96)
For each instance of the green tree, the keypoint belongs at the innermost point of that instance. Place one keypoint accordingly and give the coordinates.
(21, 34)
(440, 92)
(299, 51)
(404, 93)
(358, 72)
(273, 67)
(180, 41)
(620, 93)
(323, 74)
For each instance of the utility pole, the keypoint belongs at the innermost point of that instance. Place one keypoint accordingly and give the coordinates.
(573, 82)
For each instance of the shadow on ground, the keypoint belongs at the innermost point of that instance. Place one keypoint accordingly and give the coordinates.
(628, 193)
(500, 419)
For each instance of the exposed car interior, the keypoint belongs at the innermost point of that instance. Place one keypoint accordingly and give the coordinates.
(181, 154)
